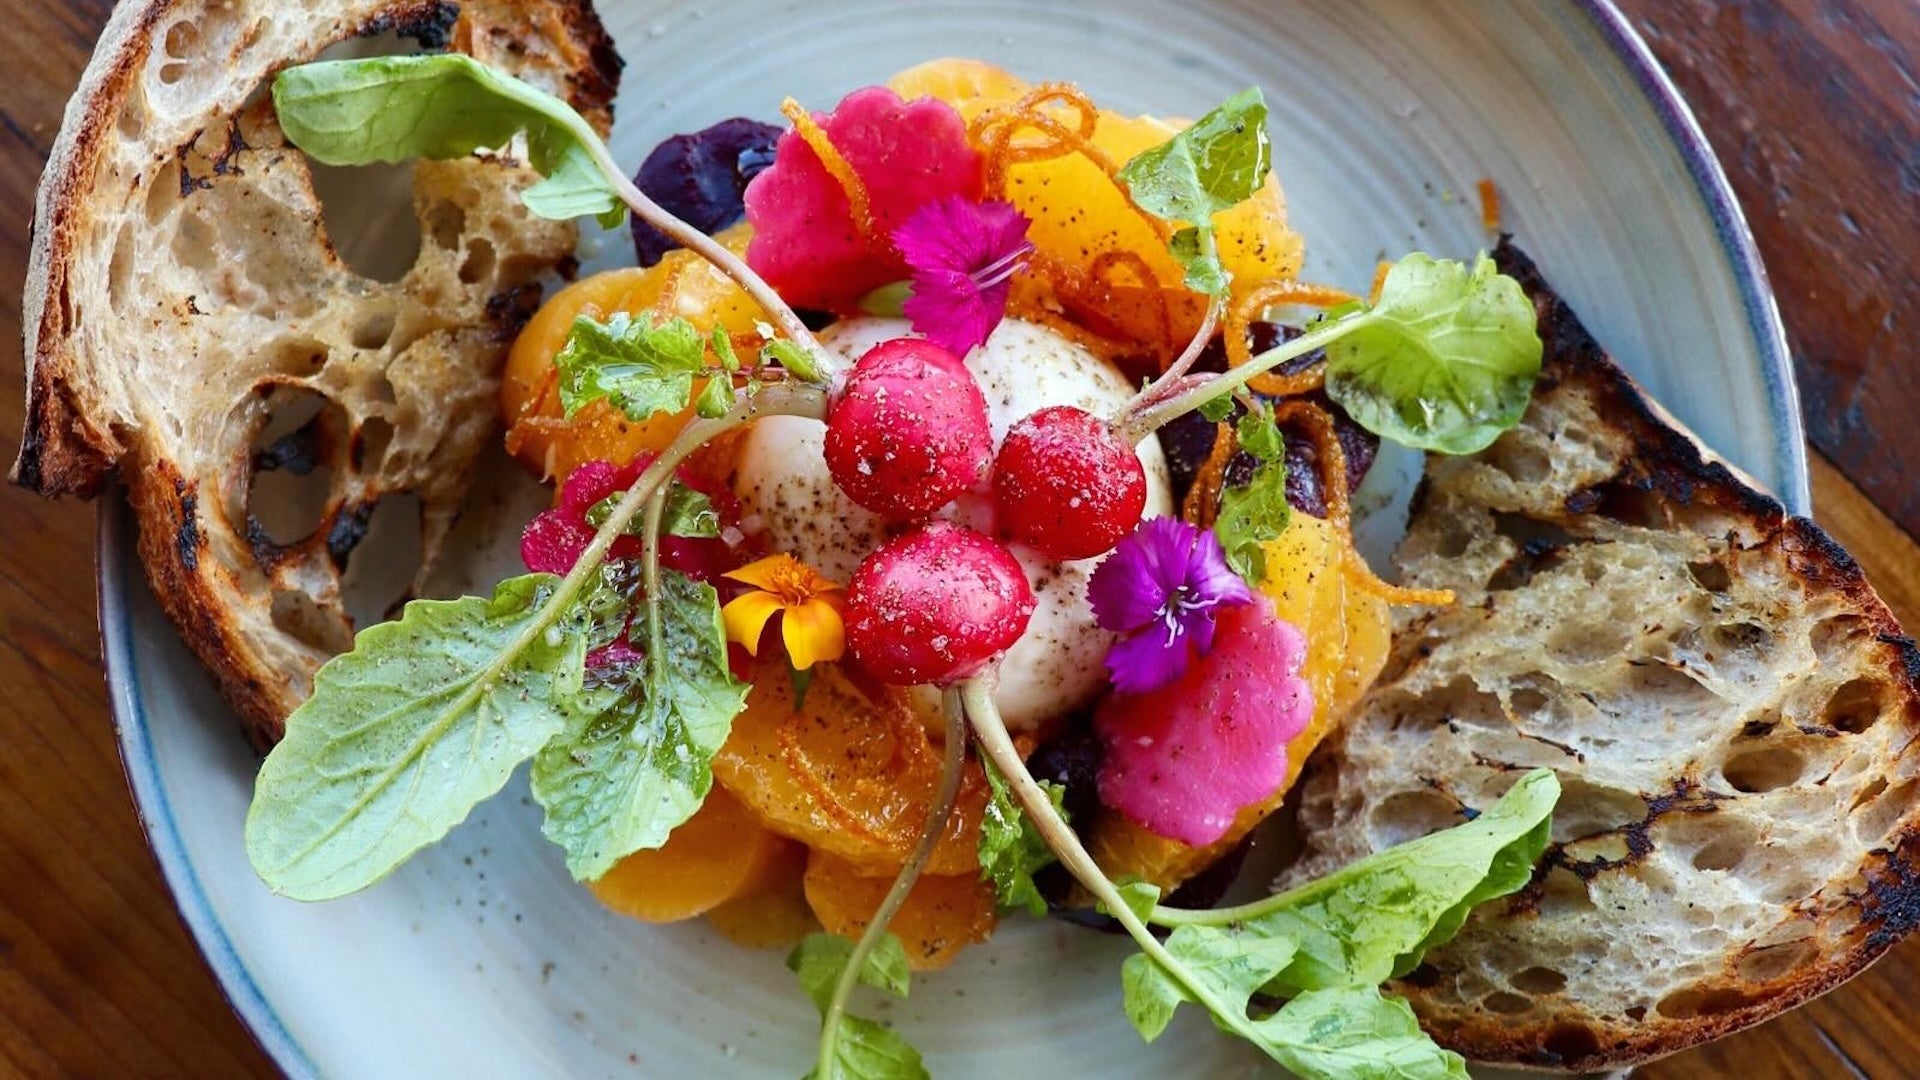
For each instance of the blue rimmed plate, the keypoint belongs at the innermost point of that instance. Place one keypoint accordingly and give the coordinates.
(482, 959)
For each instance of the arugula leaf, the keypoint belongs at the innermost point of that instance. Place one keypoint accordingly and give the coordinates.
(863, 1049)
(1211, 167)
(1329, 944)
(636, 756)
(1375, 919)
(686, 513)
(1357, 1033)
(1257, 511)
(343, 799)
(639, 366)
(1011, 847)
(1445, 361)
(446, 105)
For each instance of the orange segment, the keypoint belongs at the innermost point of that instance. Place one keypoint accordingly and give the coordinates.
(1080, 214)
(774, 913)
(853, 772)
(1347, 635)
(719, 853)
(941, 916)
(682, 284)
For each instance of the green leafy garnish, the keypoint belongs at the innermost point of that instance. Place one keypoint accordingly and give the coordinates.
(789, 355)
(862, 1049)
(638, 366)
(447, 105)
(685, 512)
(1329, 944)
(1255, 512)
(636, 757)
(1209, 168)
(1011, 847)
(403, 736)
(1445, 361)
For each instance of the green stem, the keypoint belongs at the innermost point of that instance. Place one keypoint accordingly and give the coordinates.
(713, 251)
(650, 569)
(1130, 432)
(1156, 415)
(990, 732)
(951, 769)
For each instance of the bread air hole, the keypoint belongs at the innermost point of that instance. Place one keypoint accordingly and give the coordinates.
(1761, 770)
(382, 561)
(1506, 1004)
(1539, 981)
(1877, 814)
(1856, 706)
(1694, 1001)
(292, 463)
(1766, 964)
(1588, 809)
(1571, 1042)
(1712, 576)
(368, 210)
(300, 617)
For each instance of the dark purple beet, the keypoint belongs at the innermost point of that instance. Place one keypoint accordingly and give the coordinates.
(1188, 439)
(701, 178)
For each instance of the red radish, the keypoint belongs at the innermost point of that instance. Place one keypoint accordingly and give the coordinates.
(1066, 485)
(908, 431)
(935, 606)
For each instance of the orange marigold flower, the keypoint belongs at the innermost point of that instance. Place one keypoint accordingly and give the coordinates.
(809, 605)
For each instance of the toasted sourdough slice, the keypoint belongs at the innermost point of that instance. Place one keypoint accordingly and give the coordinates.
(184, 289)
(1730, 708)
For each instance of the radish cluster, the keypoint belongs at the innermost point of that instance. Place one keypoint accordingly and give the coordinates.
(907, 433)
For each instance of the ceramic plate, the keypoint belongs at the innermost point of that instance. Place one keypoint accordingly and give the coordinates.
(482, 959)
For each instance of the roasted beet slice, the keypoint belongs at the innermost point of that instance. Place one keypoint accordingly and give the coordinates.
(702, 178)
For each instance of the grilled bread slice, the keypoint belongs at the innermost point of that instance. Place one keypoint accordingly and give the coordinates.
(184, 290)
(1731, 709)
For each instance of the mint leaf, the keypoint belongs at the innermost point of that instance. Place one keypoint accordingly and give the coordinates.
(1011, 847)
(636, 756)
(820, 959)
(862, 1049)
(640, 367)
(1213, 166)
(1373, 920)
(1255, 512)
(1445, 361)
(426, 717)
(447, 105)
(1356, 1034)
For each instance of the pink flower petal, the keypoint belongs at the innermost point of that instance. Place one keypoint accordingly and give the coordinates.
(1184, 760)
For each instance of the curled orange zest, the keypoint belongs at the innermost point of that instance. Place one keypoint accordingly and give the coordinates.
(859, 206)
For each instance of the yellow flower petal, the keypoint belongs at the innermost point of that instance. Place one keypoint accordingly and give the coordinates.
(765, 573)
(746, 617)
(813, 632)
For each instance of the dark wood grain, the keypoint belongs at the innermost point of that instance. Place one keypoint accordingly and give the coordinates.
(1815, 110)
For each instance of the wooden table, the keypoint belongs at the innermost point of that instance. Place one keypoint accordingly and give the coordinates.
(1814, 107)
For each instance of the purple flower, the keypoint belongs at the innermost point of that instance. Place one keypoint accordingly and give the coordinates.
(962, 256)
(1160, 590)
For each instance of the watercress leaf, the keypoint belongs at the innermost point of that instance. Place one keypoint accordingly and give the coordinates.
(820, 959)
(1445, 361)
(1011, 847)
(424, 718)
(1218, 408)
(1252, 514)
(1139, 896)
(446, 105)
(1375, 918)
(889, 301)
(722, 343)
(793, 357)
(639, 366)
(688, 513)
(1355, 1033)
(1259, 434)
(1214, 165)
(635, 758)
(1194, 249)
(867, 1050)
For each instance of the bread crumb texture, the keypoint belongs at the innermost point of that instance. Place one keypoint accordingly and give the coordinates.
(192, 324)
(1729, 708)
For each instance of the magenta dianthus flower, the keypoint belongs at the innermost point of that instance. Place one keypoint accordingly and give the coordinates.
(1161, 590)
(962, 256)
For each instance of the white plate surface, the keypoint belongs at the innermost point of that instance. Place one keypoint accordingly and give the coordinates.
(481, 958)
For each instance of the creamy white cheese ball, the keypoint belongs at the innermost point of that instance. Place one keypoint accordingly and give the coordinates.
(788, 494)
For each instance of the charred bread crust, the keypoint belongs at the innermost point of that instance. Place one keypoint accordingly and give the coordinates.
(1510, 989)
(91, 394)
